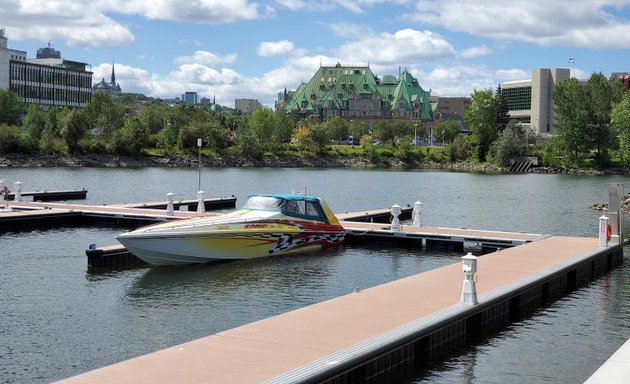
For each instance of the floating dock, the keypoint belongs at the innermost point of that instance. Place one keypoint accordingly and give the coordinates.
(368, 333)
(33, 215)
(74, 194)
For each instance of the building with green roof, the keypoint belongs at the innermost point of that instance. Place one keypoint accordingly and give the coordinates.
(354, 92)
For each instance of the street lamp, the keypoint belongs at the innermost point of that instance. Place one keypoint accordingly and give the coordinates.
(199, 142)
(415, 135)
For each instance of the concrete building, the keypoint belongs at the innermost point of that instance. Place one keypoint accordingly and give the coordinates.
(530, 101)
(190, 98)
(449, 105)
(47, 80)
(6, 56)
(246, 106)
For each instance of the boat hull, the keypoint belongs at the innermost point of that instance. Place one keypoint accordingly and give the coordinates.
(177, 250)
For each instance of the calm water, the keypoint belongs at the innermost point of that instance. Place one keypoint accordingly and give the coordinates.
(58, 319)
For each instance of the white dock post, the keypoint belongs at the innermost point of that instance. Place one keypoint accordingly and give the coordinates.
(3, 189)
(201, 207)
(18, 191)
(469, 289)
(170, 211)
(417, 211)
(605, 231)
(395, 220)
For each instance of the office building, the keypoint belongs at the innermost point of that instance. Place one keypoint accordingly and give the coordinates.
(530, 101)
(45, 81)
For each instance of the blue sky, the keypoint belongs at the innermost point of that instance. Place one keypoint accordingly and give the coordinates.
(255, 49)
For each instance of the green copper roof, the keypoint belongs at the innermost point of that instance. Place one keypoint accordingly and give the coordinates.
(332, 87)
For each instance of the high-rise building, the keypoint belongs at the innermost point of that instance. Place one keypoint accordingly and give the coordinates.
(190, 97)
(46, 81)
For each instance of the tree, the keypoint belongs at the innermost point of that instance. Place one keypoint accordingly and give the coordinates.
(284, 125)
(261, 124)
(601, 94)
(481, 118)
(33, 123)
(508, 145)
(448, 130)
(74, 128)
(11, 107)
(131, 138)
(503, 109)
(620, 121)
(337, 128)
(385, 131)
(303, 137)
(572, 111)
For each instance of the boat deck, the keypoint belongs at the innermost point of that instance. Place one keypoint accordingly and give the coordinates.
(296, 345)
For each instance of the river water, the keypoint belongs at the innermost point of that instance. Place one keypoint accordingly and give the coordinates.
(58, 318)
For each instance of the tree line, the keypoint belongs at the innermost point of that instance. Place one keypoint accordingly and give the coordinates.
(592, 127)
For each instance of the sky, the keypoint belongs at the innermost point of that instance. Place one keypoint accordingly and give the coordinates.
(228, 49)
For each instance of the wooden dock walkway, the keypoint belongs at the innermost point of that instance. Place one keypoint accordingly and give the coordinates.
(363, 334)
(31, 215)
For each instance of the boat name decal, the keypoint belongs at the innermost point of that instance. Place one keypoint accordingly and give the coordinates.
(248, 226)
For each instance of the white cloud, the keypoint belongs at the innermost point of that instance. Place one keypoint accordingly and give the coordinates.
(61, 20)
(592, 24)
(404, 46)
(481, 50)
(206, 58)
(86, 23)
(271, 48)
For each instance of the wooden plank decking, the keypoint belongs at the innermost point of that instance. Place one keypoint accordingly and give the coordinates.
(272, 347)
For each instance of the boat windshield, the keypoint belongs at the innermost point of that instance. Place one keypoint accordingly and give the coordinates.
(267, 203)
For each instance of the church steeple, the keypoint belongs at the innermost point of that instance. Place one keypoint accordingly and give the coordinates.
(113, 82)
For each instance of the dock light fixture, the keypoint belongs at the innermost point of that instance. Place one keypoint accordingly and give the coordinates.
(201, 208)
(18, 191)
(417, 212)
(170, 210)
(396, 210)
(469, 289)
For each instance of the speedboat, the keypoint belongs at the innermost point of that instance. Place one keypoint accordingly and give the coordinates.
(268, 224)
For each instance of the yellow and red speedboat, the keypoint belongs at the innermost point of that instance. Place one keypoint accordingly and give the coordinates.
(268, 224)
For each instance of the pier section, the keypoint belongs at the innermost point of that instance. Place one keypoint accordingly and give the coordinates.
(368, 333)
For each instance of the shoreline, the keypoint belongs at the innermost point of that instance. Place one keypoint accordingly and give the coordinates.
(117, 161)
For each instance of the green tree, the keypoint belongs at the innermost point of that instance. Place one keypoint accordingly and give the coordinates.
(11, 107)
(503, 109)
(303, 137)
(131, 138)
(508, 145)
(104, 116)
(620, 120)
(284, 125)
(601, 93)
(262, 125)
(572, 111)
(385, 131)
(74, 128)
(447, 130)
(337, 127)
(33, 123)
(481, 118)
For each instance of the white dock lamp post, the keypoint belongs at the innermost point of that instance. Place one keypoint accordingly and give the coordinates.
(469, 289)
(199, 142)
